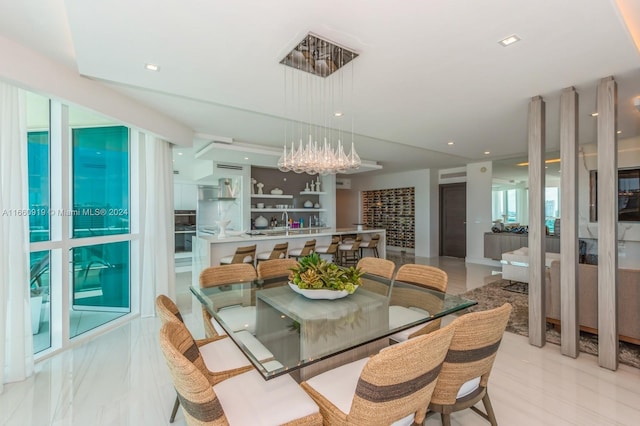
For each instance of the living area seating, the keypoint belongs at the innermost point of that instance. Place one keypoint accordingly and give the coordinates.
(628, 293)
(515, 264)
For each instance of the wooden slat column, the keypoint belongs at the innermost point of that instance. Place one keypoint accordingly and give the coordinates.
(569, 229)
(537, 336)
(607, 206)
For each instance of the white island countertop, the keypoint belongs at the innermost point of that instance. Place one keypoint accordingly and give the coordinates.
(208, 248)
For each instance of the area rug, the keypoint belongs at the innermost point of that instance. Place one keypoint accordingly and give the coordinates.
(494, 294)
(517, 287)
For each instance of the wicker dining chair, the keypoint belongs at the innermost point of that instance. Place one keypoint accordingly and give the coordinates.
(238, 400)
(279, 251)
(381, 267)
(391, 386)
(275, 268)
(403, 310)
(242, 255)
(221, 356)
(464, 377)
(227, 274)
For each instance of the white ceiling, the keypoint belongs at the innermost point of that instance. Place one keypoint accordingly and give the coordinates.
(429, 71)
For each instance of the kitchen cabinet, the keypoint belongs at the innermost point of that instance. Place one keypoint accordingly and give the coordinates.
(185, 196)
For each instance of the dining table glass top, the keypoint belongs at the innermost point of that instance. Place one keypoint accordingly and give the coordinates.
(281, 331)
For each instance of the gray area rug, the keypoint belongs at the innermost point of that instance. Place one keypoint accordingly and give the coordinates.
(495, 294)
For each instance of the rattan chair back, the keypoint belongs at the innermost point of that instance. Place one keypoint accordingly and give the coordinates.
(377, 266)
(275, 268)
(471, 355)
(221, 275)
(197, 398)
(167, 310)
(423, 275)
(395, 383)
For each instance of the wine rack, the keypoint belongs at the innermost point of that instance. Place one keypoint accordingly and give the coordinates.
(392, 210)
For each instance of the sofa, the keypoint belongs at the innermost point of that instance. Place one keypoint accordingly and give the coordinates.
(628, 300)
(515, 264)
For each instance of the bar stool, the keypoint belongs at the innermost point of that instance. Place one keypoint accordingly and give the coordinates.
(242, 255)
(309, 247)
(372, 245)
(350, 252)
(331, 249)
(279, 251)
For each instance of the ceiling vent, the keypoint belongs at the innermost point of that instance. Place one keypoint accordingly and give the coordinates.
(176, 172)
(228, 167)
(342, 183)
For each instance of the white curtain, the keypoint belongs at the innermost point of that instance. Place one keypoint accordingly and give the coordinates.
(16, 340)
(156, 208)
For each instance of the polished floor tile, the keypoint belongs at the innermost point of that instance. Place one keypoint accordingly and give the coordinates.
(120, 378)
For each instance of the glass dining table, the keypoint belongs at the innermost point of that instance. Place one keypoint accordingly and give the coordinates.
(303, 335)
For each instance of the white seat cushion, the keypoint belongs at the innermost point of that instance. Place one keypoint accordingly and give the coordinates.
(468, 387)
(248, 399)
(297, 251)
(228, 259)
(265, 255)
(399, 316)
(238, 318)
(321, 249)
(345, 247)
(339, 385)
(223, 355)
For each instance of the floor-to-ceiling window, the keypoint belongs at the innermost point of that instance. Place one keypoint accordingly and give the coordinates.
(79, 216)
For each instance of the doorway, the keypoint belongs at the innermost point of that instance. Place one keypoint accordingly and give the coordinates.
(453, 220)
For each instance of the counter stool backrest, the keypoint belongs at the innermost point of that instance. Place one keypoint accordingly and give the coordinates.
(242, 253)
(279, 251)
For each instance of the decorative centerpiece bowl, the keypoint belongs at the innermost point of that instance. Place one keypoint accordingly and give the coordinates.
(316, 278)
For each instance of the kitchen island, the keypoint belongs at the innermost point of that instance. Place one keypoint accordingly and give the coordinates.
(208, 248)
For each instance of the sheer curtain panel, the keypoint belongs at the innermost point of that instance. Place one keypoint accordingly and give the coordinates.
(156, 215)
(16, 342)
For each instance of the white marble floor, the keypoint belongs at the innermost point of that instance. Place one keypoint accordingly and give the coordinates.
(120, 378)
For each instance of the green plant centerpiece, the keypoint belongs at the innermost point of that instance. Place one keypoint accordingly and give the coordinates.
(315, 273)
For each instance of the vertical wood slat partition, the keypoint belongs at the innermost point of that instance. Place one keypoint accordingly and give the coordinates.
(569, 235)
(537, 326)
(607, 224)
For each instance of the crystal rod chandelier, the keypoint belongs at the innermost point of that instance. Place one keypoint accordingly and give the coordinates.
(314, 101)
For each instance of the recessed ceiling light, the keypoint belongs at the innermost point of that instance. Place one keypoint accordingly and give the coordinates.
(338, 113)
(619, 131)
(507, 41)
(246, 158)
(594, 114)
(152, 67)
(179, 153)
(487, 152)
(450, 143)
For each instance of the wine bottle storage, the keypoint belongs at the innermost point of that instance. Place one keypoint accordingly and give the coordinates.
(394, 211)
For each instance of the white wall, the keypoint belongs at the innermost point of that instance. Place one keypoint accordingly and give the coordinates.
(421, 180)
(479, 178)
